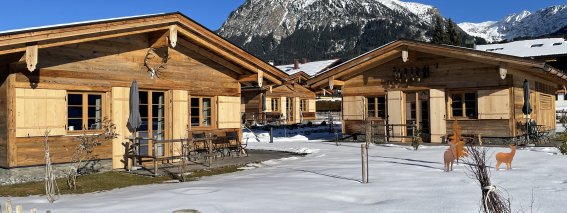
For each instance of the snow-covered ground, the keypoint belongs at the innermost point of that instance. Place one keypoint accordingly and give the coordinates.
(328, 180)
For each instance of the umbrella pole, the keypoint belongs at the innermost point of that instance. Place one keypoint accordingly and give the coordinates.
(527, 129)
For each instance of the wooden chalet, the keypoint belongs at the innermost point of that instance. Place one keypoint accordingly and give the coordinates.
(289, 103)
(427, 87)
(68, 78)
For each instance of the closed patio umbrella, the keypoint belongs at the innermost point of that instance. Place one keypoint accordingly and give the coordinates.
(527, 109)
(134, 118)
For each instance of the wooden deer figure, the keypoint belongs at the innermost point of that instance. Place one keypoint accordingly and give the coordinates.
(449, 157)
(503, 157)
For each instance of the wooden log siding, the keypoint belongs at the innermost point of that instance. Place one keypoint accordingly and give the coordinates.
(228, 112)
(40, 110)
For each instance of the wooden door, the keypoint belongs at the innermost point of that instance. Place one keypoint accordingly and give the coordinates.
(438, 115)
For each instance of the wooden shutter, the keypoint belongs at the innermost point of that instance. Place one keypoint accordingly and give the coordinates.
(297, 110)
(180, 114)
(494, 104)
(268, 104)
(546, 113)
(179, 118)
(120, 113)
(312, 105)
(395, 112)
(228, 112)
(438, 115)
(353, 108)
(38, 110)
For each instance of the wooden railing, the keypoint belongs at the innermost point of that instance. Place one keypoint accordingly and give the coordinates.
(208, 146)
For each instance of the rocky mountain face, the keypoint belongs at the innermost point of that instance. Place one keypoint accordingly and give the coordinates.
(548, 21)
(283, 30)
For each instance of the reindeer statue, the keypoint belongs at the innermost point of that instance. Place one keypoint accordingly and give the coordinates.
(503, 157)
(449, 157)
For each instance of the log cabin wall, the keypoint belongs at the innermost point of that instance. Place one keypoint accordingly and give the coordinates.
(103, 66)
(4, 117)
(542, 97)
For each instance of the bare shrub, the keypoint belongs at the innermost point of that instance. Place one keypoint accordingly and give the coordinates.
(51, 188)
(84, 151)
(492, 200)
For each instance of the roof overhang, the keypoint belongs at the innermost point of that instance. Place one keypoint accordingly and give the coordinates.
(400, 48)
(187, 30)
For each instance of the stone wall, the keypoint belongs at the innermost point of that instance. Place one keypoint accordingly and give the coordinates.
(37, 173)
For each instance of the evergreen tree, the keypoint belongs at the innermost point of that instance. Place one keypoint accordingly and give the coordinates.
(439, 35)
(453, 35)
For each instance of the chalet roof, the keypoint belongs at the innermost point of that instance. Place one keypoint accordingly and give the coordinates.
(529, 48)
(393, 50)
(310, 68)
(14, 41)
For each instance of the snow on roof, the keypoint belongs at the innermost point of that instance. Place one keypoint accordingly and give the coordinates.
(528, 48)
(310, 68)
(76, 23)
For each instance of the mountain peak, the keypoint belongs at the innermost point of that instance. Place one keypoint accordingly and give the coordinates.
(520, 25)
(324, 29)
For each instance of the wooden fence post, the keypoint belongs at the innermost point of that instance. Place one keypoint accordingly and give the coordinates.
(368, 132)
(271, 134)
(19, 209)
(364, 152)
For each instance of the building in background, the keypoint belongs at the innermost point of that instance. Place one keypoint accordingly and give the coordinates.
(413, 85)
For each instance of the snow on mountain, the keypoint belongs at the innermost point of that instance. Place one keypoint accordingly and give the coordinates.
(524, 24)
(326, 28)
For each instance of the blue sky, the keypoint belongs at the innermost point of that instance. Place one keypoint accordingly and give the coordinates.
(212, 13)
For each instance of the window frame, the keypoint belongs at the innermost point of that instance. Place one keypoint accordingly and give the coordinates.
(304, 105)
(85, 111)
(464, 108)
(201, 108)
(376, 104)
(276, 106)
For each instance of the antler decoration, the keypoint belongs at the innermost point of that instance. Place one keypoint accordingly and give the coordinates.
(153, 69)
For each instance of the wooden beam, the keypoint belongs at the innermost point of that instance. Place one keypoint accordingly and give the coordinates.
(32, 57)
(405, 55)
(248, 78)
(260, 78)
(173, 35)
(80, 39)
(157, 39)
(503, 70)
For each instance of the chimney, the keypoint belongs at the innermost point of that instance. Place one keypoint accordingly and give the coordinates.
(305, 61)
(271, 62)
(295, 64)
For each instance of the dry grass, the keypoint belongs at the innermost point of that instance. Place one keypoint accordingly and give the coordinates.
(104, 182)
